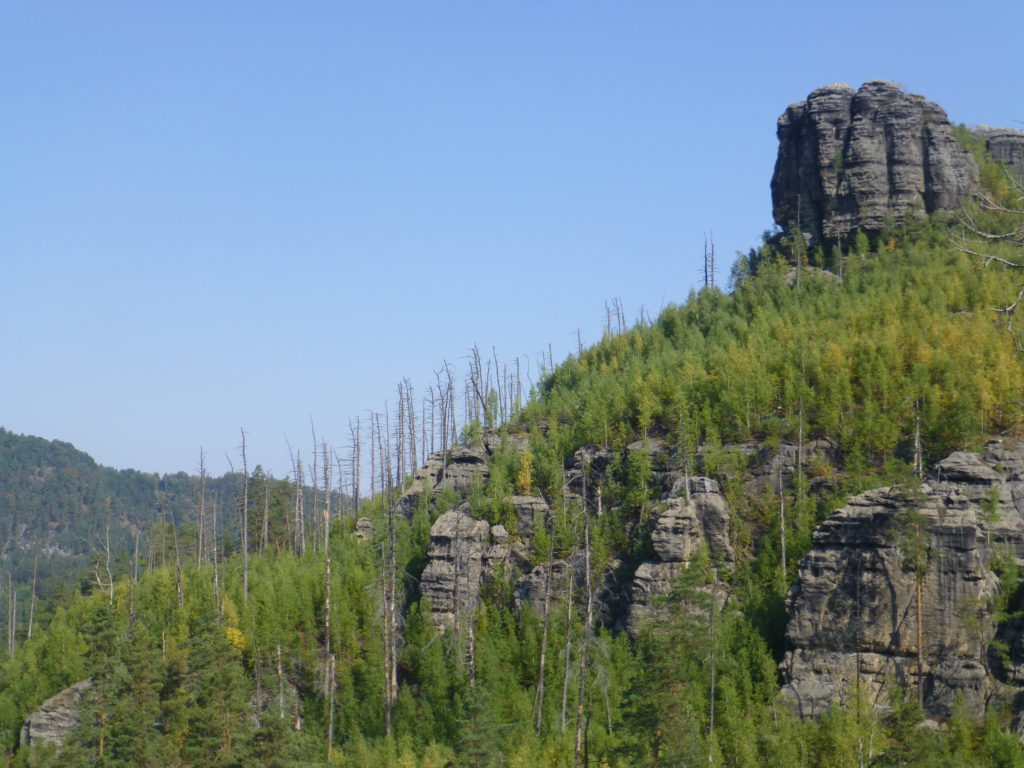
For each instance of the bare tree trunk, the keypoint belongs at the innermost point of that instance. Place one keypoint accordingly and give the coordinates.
(568, 642)
(585, 644)
(714, 670)
(330, 710)
(201, 527)
(245, 521)
(216, 558)
(12, 613)
(280, 685)
(538, 702)
(412, 425)
(265, 532)
(32, 604)
(356, 469)
(782, 519)
(300, 514)
(177, 564)
(314, 474)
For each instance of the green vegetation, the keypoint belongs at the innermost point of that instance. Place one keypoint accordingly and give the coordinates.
(903, 360)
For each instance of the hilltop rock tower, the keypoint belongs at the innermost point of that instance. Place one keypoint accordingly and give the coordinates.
(852, 160)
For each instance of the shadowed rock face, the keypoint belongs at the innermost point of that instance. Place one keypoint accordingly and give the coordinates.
(462, 552)
(851, 160)
(682, 528)
(56, 718)
(853, 612)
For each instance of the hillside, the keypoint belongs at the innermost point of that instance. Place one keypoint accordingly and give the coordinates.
(60, 511)
(614, 574)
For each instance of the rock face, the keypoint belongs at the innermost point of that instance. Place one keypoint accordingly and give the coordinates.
(681, 529)
(1006, 146)
(56, 718)
(853, 612)
(463, 550)
(850, 159)
(463, 468)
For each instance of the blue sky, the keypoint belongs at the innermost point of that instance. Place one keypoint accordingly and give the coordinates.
(254, 214)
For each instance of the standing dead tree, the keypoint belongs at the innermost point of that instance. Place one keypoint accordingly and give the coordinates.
(356, 437)
(1005, 245)
(201, 511)
(245, 521)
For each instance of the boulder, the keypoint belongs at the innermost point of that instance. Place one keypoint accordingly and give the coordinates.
(55, 718)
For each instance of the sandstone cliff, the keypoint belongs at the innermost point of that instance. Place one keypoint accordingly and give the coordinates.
(853, 612)
(853, 159)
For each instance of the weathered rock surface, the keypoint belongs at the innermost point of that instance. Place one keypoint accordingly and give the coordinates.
(56, 718)
(463, 468)
(364, 529)
(462, 552)
(553, 578)
(682, 528)
(1006, 146)
(851, 160)
(853, 612)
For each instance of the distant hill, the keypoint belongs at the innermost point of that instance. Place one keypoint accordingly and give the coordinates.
(57, 506)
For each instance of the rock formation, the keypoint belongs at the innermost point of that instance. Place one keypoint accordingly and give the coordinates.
(1005, 145)
(852, 160)
(682, 528)
(460, 471)
(853, 612)
(56, 717)
(463, 550)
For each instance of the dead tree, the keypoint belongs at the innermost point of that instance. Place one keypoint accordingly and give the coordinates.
(245, 521)
(979, 243)
(588, 625)
(201, 527)
(538, 704)
(709, 261)
(300, 531)
(316, 485)
(32, 603)
(356, 436)
(216, 558)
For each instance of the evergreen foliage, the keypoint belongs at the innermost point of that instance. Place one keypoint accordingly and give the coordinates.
(191, 672)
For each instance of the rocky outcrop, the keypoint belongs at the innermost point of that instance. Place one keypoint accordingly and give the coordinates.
(463, 468)
(364, 529)
(853, 612)
(56, 718)
(684, 526)
(463, 551)
(1006, 146)
(852, 160)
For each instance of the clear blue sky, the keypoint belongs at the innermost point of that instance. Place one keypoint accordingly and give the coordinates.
(216, 215)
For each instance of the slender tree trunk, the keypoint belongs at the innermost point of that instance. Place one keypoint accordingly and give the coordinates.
(265, 532)
(330, 710)
(245, 521)
(587, 627)
(201, 528)
(177, 564)
(568, 643)
(538, 703)
(711, 693)
(216, 558)
(782, 520)
(32, 604)
(280, 685)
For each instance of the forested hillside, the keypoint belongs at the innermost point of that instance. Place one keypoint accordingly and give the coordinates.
(61, 512)
(598, 578)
